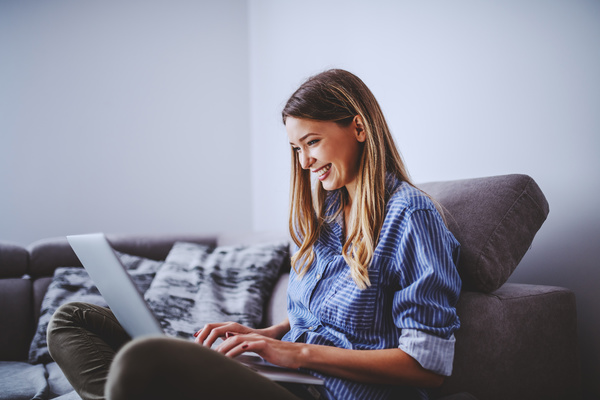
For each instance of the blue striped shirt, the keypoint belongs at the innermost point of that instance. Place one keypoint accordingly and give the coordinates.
(410, 303)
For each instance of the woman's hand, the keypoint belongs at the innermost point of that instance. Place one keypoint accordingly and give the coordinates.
(211, 332)
(275, 351)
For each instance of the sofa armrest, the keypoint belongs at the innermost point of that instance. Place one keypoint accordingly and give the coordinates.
(519, 342)
(15, 318)
(15, 303)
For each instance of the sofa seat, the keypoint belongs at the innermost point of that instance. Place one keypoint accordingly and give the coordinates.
(23, 381)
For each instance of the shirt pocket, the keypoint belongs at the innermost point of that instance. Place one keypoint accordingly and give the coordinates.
(349, 307)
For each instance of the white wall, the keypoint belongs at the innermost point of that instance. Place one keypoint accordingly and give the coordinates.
(123, 117)
(470, 89)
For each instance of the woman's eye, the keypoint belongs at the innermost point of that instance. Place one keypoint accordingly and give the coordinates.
(296, 149)
(312, 142)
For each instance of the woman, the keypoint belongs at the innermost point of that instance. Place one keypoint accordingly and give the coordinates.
(372, 291)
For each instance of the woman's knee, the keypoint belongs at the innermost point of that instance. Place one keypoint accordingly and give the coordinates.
(155, 355)
(63, 318)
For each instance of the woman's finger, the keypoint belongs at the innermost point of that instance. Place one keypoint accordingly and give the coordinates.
(220, 330)
(245, 346)
(231, 341)
(205, 332)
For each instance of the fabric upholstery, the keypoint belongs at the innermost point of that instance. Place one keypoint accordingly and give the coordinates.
(15, 318)
(155, 247)
(520, 334)
(47, 254)
(13, 260)
(40, 287)
(495, 220)
(276, 311)
(251, 238)
(57, 382)
(72, 395)
(22, 381)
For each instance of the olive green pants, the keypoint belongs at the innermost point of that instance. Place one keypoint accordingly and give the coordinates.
(101, 361)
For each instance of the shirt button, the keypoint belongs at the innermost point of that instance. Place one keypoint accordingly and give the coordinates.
(318, 276)
(310, 328)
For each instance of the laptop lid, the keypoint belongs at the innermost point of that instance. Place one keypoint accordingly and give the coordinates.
(115, 284)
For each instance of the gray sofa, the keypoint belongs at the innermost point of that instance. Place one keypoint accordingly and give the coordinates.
(516, 341)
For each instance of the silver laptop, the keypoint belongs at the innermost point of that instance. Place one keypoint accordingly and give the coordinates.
(128, 304)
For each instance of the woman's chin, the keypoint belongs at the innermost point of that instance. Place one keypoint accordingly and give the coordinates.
(329, 186)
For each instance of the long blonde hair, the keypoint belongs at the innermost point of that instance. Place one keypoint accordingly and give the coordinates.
(338, 96)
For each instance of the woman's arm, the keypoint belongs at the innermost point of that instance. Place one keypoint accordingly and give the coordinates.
(387, 366)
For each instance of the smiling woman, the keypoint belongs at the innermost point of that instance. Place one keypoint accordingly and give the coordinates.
(371, 307)
(388, 331)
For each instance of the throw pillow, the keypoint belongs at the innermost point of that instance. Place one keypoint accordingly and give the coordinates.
(74, 284)
(197, 285)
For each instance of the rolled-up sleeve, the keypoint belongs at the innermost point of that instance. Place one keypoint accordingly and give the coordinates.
(425, 305)
(432, 352)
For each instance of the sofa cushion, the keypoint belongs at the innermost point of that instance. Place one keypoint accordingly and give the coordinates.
(495, 220)
(197, 285)
(13, 260)
(74, 284)
(22, 381)
(58, 385)
(518, 342)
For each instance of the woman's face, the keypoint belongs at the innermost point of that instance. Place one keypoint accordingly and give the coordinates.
(330, 151)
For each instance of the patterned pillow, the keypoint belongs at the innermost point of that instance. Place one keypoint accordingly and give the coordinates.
(197, 285)
(74, 284)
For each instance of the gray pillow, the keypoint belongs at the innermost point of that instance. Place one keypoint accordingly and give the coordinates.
(495, 220)
(198, 285)
(74, 284)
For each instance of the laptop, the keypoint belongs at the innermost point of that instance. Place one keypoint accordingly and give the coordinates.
(131, 310)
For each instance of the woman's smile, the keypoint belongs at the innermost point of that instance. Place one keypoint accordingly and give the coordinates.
(323, 172)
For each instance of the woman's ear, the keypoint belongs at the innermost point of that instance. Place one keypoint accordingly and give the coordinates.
(361, 134)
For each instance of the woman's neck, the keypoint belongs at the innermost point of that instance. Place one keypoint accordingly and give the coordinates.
(347, 221)
(351, 191)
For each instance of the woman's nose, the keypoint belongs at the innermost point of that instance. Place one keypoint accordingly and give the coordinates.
(305, 160)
